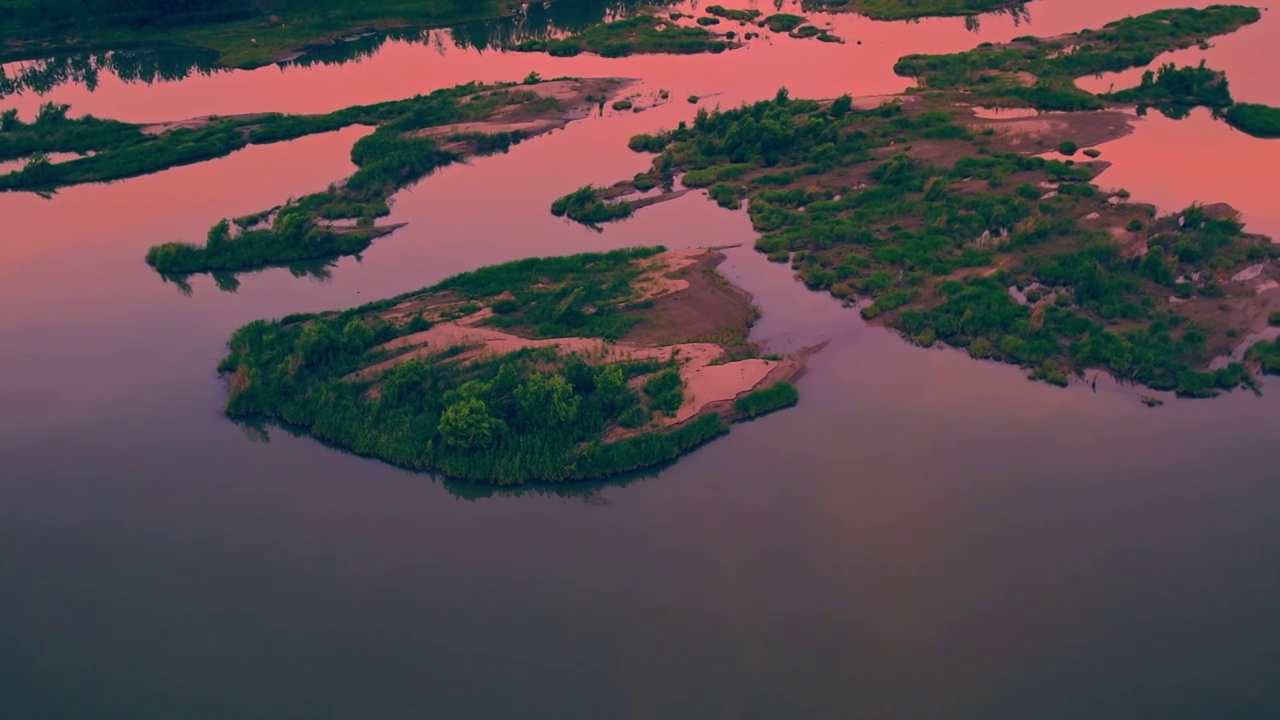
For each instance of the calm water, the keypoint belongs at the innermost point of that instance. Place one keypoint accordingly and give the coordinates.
(923, 537)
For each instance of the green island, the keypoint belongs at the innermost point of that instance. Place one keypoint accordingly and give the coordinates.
(545, 369)
(913, 9)
(412, 138)
(1042, 73)
(643, 33)
(952, 229)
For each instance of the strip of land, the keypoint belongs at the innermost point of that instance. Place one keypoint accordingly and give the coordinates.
(412, 138)
(543, 369)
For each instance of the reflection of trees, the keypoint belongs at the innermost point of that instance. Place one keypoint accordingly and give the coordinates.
(595, 492)
(131, 66)
(320, 270)
(533, 21)
(1019, 13)
(536, 21)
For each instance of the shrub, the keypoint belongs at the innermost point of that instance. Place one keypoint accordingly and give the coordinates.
(759, 402)
(1067, 147)
(1258, 120)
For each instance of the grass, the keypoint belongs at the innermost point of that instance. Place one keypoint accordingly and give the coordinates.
(531, 415)
(766, 400)
(585, 205)
(1267, 356)
(631, 36)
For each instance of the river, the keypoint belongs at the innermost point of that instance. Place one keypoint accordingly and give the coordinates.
(924, 536)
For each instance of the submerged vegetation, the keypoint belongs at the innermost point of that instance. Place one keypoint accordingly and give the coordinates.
(376, 381)
(950, 233)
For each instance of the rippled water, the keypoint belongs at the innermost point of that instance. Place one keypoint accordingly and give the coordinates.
(923, 536)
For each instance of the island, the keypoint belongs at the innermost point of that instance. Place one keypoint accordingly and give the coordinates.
(412, 138)
(914, 9)
(545, 369)
(988, 234)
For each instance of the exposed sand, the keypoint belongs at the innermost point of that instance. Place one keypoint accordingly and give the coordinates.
(571, 94)
(705, 383)
(711, 384)
(195, 123)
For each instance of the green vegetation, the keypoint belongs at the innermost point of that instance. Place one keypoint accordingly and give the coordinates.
(775, 397)
(115, 150)
(1042, 73)
(245, 33)
(1173, 88)
(1274, 319)
(631, 36)
(1257, 120)
(784, 22)
(931, 242)
(738, 15)
(394, 156)
(1266, 355)
(585, 205)
(360, 379)
(912, 9)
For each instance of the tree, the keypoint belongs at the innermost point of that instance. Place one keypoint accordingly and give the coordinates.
(546, 401)
(467, 425)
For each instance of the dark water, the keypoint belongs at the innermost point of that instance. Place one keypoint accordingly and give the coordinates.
(924, 536)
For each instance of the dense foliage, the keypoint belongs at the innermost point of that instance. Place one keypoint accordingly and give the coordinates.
(631, 36)
(535, 414)
(839, 192)
(1172, 89)
(585, 205)
(911, 9)
(1257, 120)
(1042, 73)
